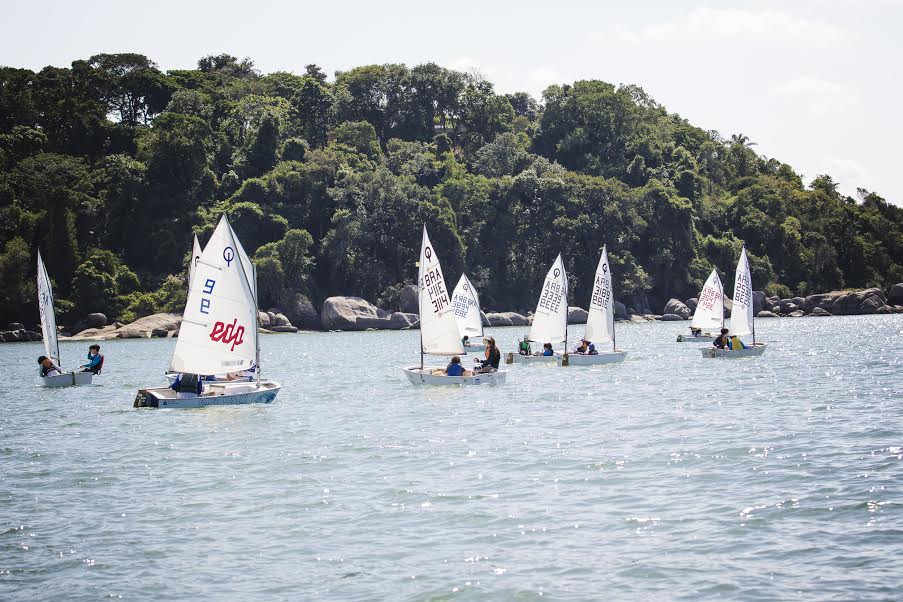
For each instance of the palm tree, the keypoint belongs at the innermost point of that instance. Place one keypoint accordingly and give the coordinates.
(742, 139)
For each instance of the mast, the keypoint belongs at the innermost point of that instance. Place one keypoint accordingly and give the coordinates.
(252, 284)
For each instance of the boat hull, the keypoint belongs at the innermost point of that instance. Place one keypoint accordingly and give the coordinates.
(474, 348)
(418, 376)
(67, 379)
(217, 394)
(752, 351)
(516, 358)
(686, 338)
(603, 357)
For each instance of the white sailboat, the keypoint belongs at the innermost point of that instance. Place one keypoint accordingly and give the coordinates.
(49, 334)
(709, 315)
(438, 327)
(550, 322)
(600, 321)
(466, 305)
(218, 334)
(742, 318)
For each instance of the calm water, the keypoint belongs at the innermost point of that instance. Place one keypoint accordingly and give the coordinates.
(666, 477)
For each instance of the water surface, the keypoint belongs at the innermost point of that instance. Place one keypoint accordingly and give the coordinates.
(667, 477)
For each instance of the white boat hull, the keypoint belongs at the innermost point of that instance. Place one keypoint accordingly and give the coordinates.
(688, 338)
(425, 376)
(516, 358)
(215, 394)
(752, 351)
(67, 379)
(603, 357)
(474, 348)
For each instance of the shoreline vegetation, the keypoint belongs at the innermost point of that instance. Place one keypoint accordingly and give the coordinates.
(354, 314)
(111, 166)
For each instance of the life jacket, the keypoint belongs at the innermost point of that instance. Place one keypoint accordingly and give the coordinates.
(99, 366)
(454, 370)
(736, 343)
(525, 347)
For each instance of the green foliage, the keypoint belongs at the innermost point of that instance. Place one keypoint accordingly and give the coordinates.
(113, 163)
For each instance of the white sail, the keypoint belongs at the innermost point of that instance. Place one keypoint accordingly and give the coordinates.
(551, 317)
(438, 327)
(48, 317)
(218, 332)
(709, 312)
(600, 323)
(466, 304)
(195, 256)
(742, 312)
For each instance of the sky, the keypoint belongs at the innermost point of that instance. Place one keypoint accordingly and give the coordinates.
(814, 83)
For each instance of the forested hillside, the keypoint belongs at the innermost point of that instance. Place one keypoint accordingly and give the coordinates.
(109, 167)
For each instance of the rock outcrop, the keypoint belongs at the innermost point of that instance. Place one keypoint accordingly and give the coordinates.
(819, 312)
(143, 328)
(672, 317)
(404, 320)
(353, 313)
(676, 307)
(842, 303)
(766, 314)
(498, 319)
(577, 315)
(758, 301)
(621, 311)
(407, 300)
(302, 313)
(692, 303)
(96, 320)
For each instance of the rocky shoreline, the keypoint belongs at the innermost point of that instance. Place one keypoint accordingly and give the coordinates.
(356, 314)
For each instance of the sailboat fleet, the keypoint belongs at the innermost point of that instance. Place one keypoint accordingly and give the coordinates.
(218, 348)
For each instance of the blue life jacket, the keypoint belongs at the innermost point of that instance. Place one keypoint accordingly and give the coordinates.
(454, 370)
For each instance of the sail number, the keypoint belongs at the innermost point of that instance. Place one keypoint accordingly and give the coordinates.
(552, 296)
(462, 305)
(601, 291)
(434, 286)
(207, 290)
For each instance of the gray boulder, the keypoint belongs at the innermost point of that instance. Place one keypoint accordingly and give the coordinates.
(677, 307)
(773, 300)
(284, 328)
(263, 319)
(758, 301)
(282, 320)
(577, 315)
(871, 305)
(159, 333)
(819, 312)
(796, 314)
(620, 311)
(403, 320)
(352, 313)
(789, 308)
(96, 320)
(672, 318)
(483, 318)
(516, 318)
(896, 294)
(867, 301)
(143, 328)
(302, 313)
(15, 326)
(407, 300)
(499, 319)
(799, 301)
(766, 314)
(692, 303)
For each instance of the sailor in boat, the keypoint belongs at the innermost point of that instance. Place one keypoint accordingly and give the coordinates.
(455, 368)
(493, 358)
(734, 343)
(547, 349)
(696, 332)
(95, 360)
(721, 341)
(586, 347)
(48, 368)
(188, 385)
(523, 347)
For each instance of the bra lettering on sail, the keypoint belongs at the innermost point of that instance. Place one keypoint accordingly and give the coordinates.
(227, 334)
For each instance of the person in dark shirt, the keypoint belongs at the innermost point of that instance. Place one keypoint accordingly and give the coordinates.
(95, 360)
(547, 349)
(455, 368)
(493, 358)
(721, 341)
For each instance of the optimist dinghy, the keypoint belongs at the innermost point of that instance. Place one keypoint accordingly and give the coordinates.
(709, 314)
(600, 323)
(550, 322)
(51, 340)
(439, 333)
(742, 319)
(218, 334)
(466, 304)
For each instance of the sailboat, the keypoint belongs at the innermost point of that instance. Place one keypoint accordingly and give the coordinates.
(438, 327)
(218, 334)
(51, 340)
(742, 319)
(550, 322)
(600, 322)
(709, 314)
(466, 304)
